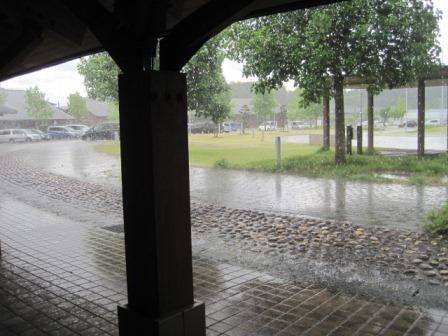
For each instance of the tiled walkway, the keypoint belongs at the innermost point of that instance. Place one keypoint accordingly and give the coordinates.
(61, 277)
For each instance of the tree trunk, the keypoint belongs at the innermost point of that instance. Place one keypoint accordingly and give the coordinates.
(326, 123)
(339, 120)
(370, 122)
(421, 119)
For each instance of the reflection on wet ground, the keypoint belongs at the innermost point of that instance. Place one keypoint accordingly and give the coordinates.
(389, 205)
(62, 277)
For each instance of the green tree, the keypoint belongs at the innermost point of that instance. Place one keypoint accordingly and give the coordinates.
(385, 114)
(100, 76)
(282, 119)
(264, 104)
(2, 98)
(244, 112)
(208, 93)
(113, 112)
(77, 106)
(386, 43)
(36, 106)
(298, 109)
(399, 110)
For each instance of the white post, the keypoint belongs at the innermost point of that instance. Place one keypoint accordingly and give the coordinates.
(278, 156)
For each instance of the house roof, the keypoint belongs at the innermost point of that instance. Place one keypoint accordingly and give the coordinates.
(37, 34)
(15, 103)
(97, 107)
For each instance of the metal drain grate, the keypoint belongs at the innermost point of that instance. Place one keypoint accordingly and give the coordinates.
(114, 228)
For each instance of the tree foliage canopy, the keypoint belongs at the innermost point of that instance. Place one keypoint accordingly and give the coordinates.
(37, 106)
(264, 104)
(77, 106)
(100, 76)
(208, 93)
(298, 110)
(387, 43)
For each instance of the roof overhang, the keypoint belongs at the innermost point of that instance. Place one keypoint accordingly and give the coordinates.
(38, 34)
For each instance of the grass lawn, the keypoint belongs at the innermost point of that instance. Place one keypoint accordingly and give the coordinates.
(249, 152)
(241, 151)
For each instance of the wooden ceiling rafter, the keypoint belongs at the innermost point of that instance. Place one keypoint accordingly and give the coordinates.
(186, 38)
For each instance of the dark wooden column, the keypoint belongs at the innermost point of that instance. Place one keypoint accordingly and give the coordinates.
(421, 119)
(155, 177)
(326, 123)
(370, 124)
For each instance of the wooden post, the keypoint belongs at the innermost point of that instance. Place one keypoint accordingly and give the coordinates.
(359, 140)
(370, 107)
(278, 156)
(349, 139)
(156, 207)
(421, 119)
(326, 123)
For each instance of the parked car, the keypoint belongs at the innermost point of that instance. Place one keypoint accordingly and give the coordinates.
(408, 123)
(32, 136)
(202, 127)
(268, 126)
(79, 130)
(433, 122)
(299, 125)
(103, 131)
(230, 126)
(12, 135)
(61, 132)
(43, 135)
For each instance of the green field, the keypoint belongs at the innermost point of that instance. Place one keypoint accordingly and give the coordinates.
(239, 151)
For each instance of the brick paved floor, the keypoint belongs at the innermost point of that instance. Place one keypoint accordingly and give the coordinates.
(61, 277)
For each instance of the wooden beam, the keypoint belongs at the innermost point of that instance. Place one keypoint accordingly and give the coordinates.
(48, 14)
(177, 48)
(28, 40)
(122, 45)
(290, 7)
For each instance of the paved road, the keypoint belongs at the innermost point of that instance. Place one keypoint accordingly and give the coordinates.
(389, 205)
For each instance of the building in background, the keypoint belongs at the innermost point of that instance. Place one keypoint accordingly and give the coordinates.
(13, 112)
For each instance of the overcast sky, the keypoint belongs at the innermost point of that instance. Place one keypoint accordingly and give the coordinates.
(59, 81)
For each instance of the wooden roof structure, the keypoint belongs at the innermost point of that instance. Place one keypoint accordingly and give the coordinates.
(37, 34)
(437, 78)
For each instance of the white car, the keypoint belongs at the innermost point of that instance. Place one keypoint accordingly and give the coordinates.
(12, 135)
(433, 122)
(268, 126)
(79, 130)
(32, 135)
(299, 125)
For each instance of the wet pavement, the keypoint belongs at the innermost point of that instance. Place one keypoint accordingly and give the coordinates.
(62, 268)
(368, 204)
(62, 277)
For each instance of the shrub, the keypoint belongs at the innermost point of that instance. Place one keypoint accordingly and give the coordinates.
(222, 163)
(437, 220)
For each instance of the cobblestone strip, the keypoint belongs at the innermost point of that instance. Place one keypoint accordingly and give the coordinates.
(410, 254)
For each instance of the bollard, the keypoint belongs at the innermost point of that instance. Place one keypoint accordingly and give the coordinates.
(349, 139)
(278, 156)
(359, 140)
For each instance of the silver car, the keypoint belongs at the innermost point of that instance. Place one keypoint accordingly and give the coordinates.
(12, 135)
